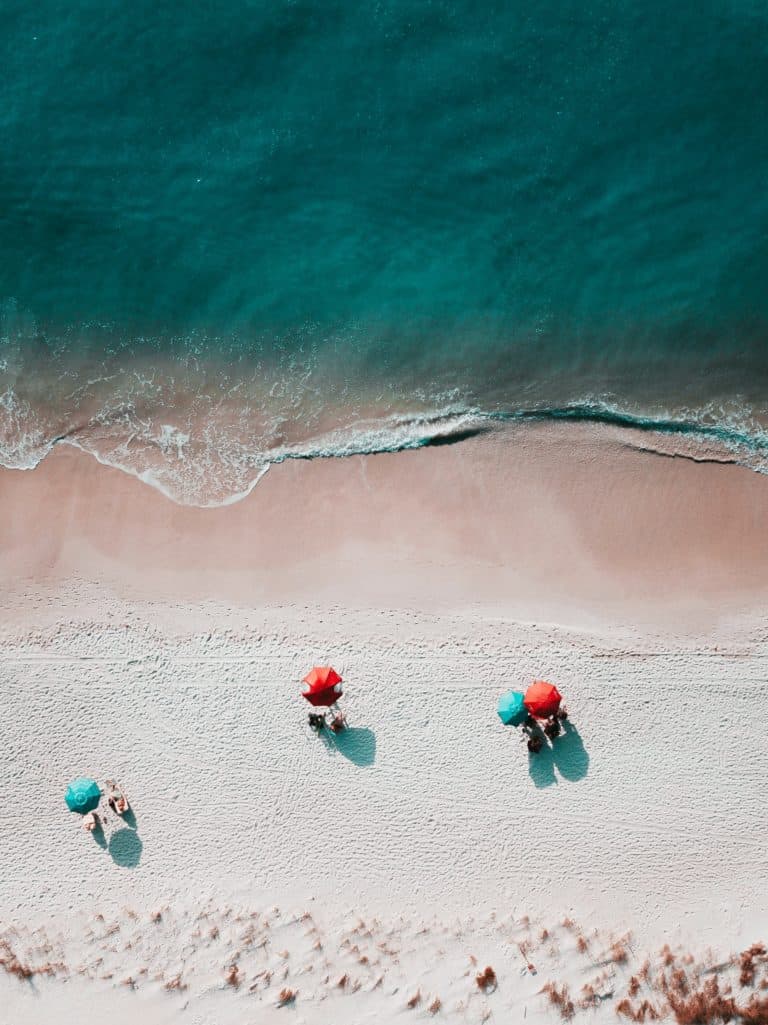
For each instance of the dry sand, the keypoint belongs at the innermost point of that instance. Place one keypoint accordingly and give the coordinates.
(163, 645)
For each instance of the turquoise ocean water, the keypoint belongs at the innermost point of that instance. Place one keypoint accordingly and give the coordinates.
(233, 233)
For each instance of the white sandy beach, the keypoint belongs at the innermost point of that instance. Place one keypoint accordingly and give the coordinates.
(163, 646)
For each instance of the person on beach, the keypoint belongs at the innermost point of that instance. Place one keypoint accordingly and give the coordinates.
(535, 743)
(91, 822)
(552, 727)
(318, 722)
(338, 722)
(116, 799)
(322, 689)
(532, 731)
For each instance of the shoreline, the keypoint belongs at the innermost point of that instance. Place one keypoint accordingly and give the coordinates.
(563, 524)
(212, 457)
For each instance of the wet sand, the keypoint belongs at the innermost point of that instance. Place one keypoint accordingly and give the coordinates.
(568, 524)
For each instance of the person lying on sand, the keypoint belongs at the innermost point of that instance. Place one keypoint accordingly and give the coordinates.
(116, 799)
(91, 822)
(316, 720)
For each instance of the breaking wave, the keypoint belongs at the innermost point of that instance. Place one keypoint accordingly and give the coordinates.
(209, 462)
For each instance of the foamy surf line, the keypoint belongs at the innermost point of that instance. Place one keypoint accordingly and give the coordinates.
(221, 478)
(172, 477)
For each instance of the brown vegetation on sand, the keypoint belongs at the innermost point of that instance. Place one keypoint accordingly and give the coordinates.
(749, 961)
(12, 964)
(644, 1011)
(618, 953)
(690, 1001)
(486, 980)
(414, 1001)
(561, 999)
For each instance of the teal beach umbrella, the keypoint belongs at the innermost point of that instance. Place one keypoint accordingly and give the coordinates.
(82, 795)
(511, 709)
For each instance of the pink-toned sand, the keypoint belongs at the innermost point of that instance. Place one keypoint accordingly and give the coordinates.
(569, 524)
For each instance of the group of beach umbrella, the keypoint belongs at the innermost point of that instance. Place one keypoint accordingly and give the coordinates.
(322, 688)
(541, 700)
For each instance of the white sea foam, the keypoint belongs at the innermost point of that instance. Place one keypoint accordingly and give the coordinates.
(170, 438)
(24, 441)
(211, 458)
(225, 475)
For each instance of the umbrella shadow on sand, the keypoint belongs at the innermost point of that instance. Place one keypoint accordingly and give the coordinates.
(125, 847)
(358, 744)
(565, 753)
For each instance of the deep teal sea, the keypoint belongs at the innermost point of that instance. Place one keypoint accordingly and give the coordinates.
(236, 232)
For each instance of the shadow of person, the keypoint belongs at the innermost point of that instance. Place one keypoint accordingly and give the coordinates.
(129, 818)
(569, 754)
(541, 767)
(125, 847)
(99, 837)
(355, 743)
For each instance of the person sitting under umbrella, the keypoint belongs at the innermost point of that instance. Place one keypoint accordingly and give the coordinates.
(552, 727)
(532, 730)
(543, 701)
(322, 688)
(338, 722)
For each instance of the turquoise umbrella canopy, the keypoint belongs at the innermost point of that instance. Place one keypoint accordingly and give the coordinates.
(82, 795)
(511, 709)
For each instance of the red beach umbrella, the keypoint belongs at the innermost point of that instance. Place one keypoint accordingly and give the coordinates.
(542, 699)
(322, 686)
